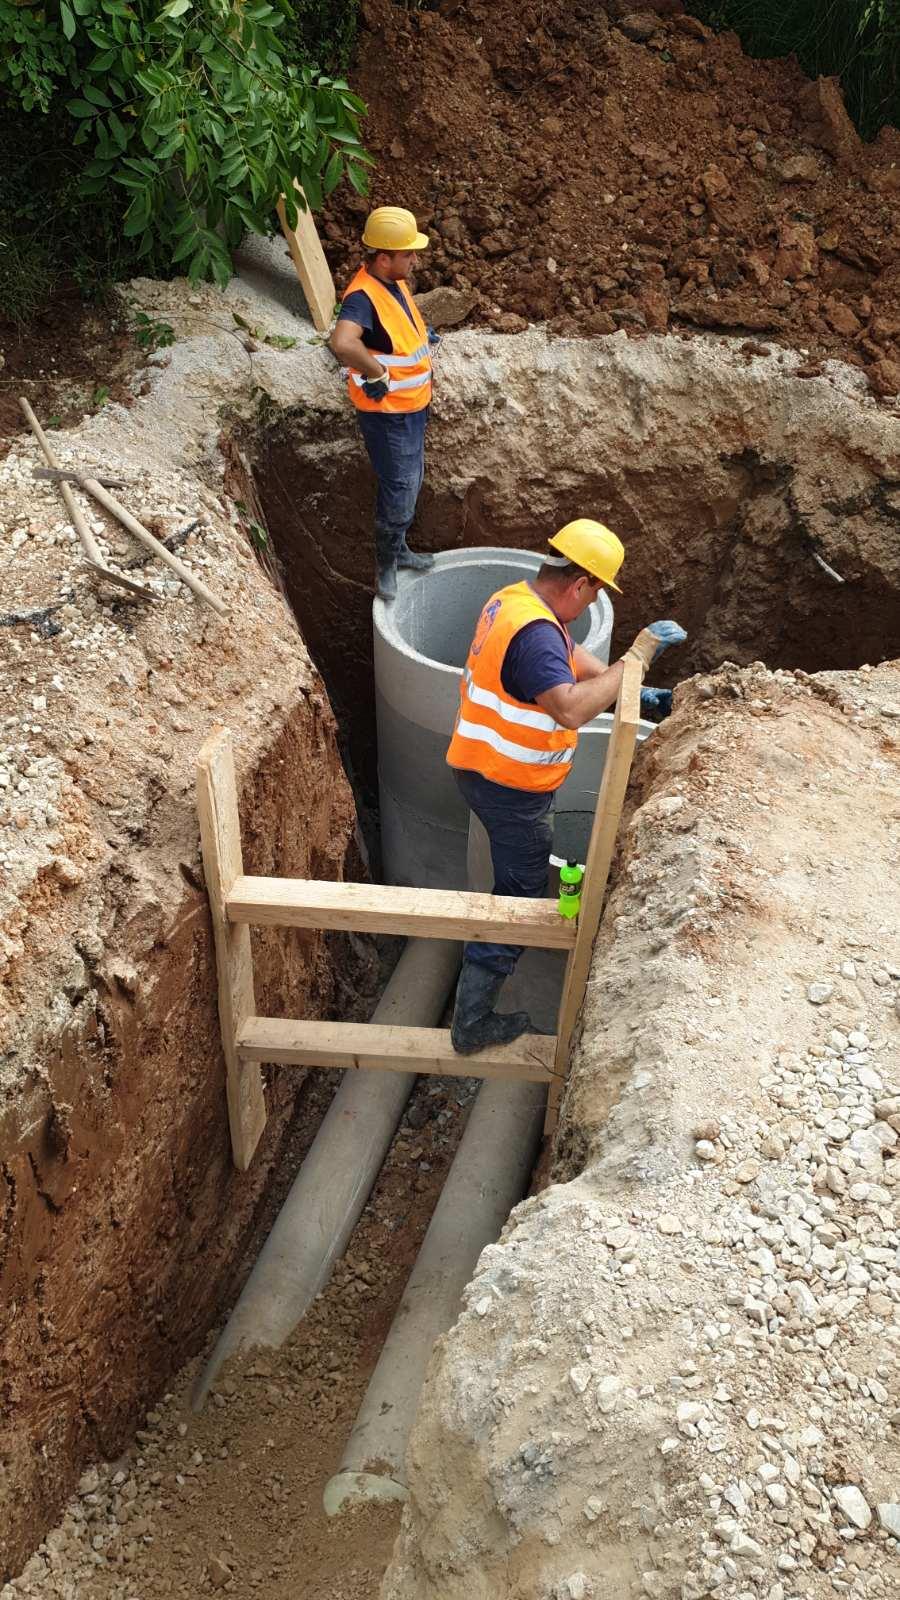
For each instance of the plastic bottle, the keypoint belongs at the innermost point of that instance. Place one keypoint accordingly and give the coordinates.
(571, 877)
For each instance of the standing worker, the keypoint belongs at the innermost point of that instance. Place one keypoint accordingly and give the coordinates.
(525, 690)
(386, 350)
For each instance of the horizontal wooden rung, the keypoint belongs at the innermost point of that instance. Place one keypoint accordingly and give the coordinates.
(379, 908)
(369, 1045)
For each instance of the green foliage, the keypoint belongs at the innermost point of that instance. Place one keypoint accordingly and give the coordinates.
(51, 235)
(151, 333)
(192, 113)
(324, 31)
(855, 40)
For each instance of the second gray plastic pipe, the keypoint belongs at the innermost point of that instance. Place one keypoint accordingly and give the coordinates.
(337, 1177)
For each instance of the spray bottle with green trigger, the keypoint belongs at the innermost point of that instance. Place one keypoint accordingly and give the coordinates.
(571, 876)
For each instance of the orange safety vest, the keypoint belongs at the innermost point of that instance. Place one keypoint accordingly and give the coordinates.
(409, 364)
(507, 740)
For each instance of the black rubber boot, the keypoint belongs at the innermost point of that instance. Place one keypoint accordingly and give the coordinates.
(475, 1023)
(386, 563)
(387, 581)
(417, 561)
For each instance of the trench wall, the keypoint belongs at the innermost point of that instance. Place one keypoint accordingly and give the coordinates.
(124, 1227)
(722, 471)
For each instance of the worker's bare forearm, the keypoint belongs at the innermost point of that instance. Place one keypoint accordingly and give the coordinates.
(586, 665)
(574, 704)
(347, 345)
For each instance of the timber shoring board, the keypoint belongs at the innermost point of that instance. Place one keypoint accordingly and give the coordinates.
(420, 913)
(616, 772)
(220, 836)
(310, 264)
(387, 1048)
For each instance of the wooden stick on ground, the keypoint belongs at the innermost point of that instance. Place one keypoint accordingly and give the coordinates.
(616, 771)
(79, 522)
(108, 501)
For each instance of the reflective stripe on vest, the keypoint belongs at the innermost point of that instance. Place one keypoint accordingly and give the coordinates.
(503, 739)
(506, 747)
(409, 363)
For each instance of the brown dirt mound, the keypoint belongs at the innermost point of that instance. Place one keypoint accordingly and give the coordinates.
(601, 170)
(71, 360)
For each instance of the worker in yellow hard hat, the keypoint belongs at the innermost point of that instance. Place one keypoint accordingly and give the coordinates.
(525, 691)
(386, 350)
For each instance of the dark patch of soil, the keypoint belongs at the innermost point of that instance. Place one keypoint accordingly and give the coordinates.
(599, 170)
(73, 359)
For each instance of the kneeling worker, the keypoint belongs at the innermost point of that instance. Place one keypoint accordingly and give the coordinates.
(386, 348)
(525, 690)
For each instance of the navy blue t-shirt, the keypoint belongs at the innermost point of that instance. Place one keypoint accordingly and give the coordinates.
(357, 307)
(536, 660)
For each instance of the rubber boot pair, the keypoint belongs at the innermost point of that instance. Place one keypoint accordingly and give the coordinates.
(475, 1023)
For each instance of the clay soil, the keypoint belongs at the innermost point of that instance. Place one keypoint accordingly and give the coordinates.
(72, 359)
(610, 167)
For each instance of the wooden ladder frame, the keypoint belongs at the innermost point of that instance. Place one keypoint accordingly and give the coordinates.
(238, 902)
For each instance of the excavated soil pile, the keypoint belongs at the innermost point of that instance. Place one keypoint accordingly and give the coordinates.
(604, 168)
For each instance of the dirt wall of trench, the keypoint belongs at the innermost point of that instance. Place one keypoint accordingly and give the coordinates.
(124, 1226)
(724, 474)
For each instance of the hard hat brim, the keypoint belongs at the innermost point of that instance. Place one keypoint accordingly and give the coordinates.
(420, 242)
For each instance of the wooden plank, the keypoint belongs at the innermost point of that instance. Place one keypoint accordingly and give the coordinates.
(375, 908)
(607, 816)
(372, 1046)
(310, 265)
(220, 836)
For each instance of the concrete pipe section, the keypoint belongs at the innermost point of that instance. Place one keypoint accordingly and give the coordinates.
(421, 642)
(336, 1179)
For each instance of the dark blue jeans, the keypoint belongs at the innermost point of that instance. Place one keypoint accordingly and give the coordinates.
(396, 446)
(519, 828)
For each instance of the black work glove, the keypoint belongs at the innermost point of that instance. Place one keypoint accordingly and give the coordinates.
(376, 388)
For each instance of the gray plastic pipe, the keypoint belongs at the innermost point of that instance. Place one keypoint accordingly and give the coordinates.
(490, 1173)
(336, 1179)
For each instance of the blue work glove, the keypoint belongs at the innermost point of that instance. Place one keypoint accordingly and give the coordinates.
(435, 340)
(650, 641)
(667, 633)
(376, 388)
(656, 704)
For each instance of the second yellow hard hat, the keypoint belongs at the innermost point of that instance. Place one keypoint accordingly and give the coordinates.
(592, 546)
(392, 228)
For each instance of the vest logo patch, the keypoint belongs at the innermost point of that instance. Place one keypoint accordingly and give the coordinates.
(485, 623)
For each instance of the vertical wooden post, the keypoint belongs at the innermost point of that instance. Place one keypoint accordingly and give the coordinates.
(309, 264)
(596, 873)
(220, 836)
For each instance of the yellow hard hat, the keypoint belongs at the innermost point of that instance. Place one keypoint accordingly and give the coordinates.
(392, 228)
(593, 547)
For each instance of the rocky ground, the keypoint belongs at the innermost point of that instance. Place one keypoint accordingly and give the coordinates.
(621, 166)
(676, 1374)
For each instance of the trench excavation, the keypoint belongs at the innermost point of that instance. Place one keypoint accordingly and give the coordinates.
(772, 597)
(732, 548)
(728, 547)
(428, 841)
